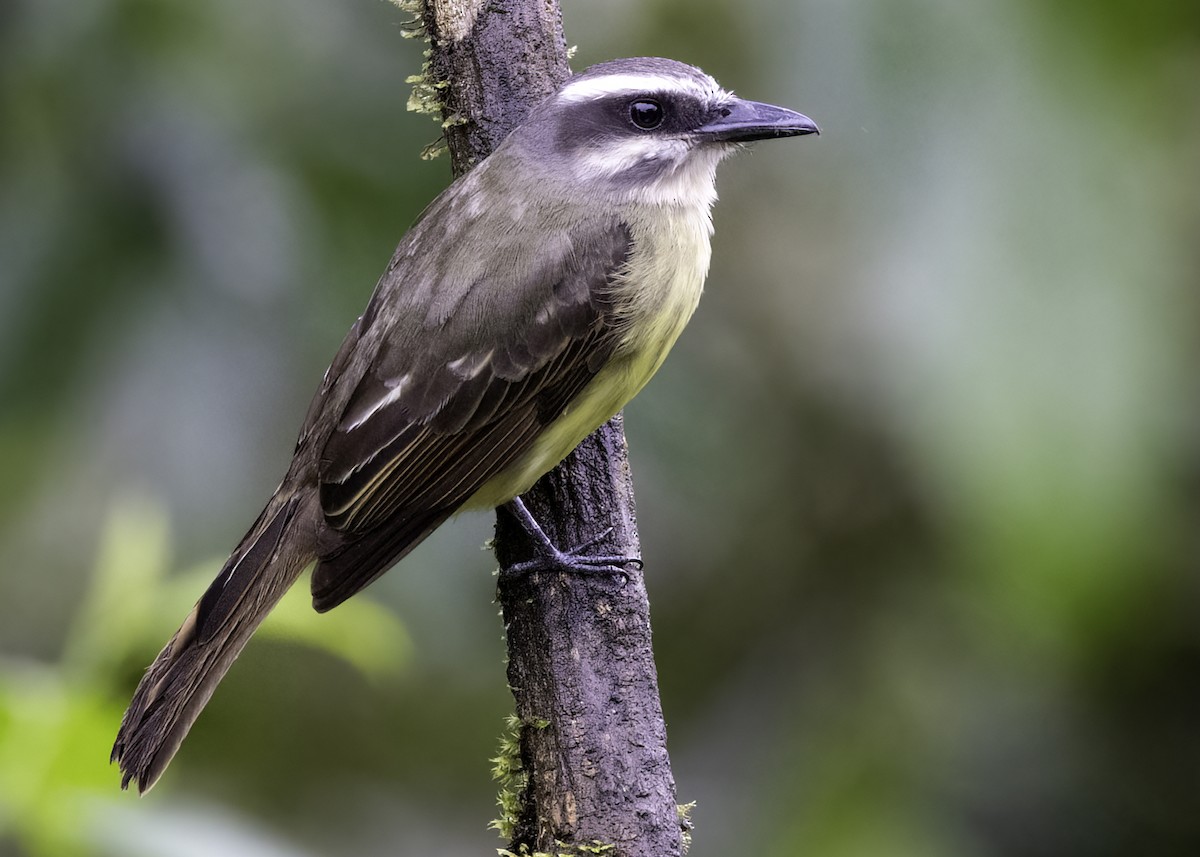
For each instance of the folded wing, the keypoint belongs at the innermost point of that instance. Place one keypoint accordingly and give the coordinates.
(466, 375)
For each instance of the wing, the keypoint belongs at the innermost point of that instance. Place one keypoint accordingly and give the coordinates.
(468, 372)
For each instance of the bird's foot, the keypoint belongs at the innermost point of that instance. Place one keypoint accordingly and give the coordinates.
(552, 558)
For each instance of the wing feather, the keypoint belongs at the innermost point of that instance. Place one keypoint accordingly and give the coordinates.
(450, 398)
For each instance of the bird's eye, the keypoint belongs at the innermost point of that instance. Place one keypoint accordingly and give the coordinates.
(646, 113)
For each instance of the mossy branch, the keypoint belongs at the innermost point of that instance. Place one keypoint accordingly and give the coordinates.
(583, 768)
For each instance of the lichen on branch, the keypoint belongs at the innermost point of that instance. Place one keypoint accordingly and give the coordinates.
(428, 94)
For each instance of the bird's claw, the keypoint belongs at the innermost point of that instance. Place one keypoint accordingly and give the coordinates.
(575, 560)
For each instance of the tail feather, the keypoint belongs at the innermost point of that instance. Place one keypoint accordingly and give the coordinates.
(182, 678)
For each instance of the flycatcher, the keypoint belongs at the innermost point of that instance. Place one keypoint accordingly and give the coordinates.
(532, 299)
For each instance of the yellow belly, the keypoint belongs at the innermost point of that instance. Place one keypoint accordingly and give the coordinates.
(661, 289)
(607, 393)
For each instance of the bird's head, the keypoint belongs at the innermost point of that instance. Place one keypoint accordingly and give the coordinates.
(647, 130)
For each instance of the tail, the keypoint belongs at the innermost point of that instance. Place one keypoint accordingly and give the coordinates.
(184, 675)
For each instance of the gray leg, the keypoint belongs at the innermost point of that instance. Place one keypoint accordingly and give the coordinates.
(553, 559)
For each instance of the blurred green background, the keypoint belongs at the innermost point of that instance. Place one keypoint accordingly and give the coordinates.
(919, 488)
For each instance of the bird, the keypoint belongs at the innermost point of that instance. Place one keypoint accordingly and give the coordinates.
(529, 302)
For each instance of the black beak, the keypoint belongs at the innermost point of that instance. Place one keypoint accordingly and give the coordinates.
(740, 121)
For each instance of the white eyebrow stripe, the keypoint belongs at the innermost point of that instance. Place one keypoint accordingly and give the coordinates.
(590, 88)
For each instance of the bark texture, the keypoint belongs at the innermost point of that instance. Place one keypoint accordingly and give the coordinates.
(581, 667)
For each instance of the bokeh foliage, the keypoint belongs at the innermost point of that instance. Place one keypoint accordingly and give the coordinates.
(919, 488)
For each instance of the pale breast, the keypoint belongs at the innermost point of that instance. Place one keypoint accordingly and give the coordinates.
(659, 291)
(656, 297)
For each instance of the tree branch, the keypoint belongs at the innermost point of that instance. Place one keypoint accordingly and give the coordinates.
(581, 667)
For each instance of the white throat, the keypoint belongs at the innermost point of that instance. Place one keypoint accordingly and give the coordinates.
(692, 184)
(676, 174)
